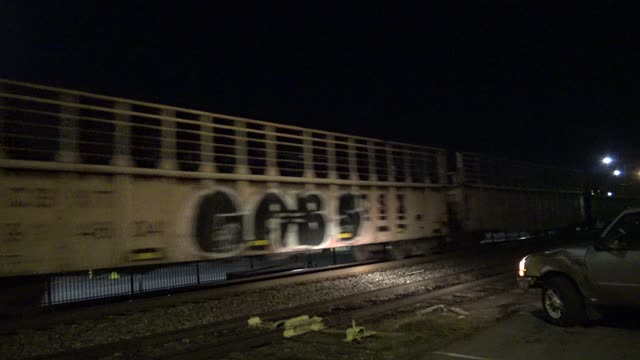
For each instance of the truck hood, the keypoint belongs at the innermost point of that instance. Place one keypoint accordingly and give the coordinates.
(572, 255)
(574, 251)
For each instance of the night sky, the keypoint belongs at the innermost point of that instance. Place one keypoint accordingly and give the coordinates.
(554, 83)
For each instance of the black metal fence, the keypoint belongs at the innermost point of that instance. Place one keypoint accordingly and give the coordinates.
(103, 285)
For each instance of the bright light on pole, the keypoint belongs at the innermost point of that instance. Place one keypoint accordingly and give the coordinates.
(607, 160)
(617, 172)
(609, 193)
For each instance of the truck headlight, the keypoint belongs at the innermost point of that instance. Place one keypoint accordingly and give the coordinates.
(522, 266)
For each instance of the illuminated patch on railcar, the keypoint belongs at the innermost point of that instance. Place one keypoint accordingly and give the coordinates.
(146, 254)
(219, 224)
(258, 243)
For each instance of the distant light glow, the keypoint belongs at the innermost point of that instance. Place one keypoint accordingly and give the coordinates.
(617, 172)
(607, 160)
(609, 193)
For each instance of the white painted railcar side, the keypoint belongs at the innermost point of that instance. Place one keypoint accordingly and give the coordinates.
(91, 181)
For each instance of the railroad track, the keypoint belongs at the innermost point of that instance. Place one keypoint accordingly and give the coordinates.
(219, 339)
(340, 320)
(228, 331)
(79, 312)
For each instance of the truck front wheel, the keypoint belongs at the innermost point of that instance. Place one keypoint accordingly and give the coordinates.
(562, 302)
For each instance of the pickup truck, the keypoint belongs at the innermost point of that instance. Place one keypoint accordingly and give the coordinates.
(576, 280)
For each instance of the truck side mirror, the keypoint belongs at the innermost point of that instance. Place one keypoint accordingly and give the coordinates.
(618, 244)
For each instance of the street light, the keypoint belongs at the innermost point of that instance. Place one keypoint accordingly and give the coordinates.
(607, 160)
(617, 172)
(609, 193)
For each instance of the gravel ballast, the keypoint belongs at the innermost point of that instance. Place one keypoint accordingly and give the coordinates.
(112, 328)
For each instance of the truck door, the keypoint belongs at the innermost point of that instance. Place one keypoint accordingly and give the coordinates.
(613, 265)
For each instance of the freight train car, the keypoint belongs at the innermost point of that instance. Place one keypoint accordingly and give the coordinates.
(497, 195)
(93, 182)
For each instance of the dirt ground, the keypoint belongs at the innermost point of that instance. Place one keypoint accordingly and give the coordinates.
(410, 332)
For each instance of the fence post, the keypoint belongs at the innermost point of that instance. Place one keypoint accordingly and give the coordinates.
(141, 284)
(198, 273)
(3, 154)
(131, 283)
(49, 288)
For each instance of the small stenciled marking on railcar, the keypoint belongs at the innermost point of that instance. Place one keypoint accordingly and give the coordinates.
(13, 232)
(22, 197)
(87, 199)
(99, 230)
(146, 228)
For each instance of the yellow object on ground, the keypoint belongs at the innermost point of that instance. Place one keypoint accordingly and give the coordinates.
(355, 333)
(302, 325)
(254, 321)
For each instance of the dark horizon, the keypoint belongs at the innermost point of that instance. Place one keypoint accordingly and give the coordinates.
(536, 83)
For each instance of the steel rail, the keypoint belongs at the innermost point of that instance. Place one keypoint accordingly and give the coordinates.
(134, 345)
(341, 319)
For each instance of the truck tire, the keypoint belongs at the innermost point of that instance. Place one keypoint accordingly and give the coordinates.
(562, 302)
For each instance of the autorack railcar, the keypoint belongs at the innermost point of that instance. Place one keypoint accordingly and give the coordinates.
(498, 195)
(100, 182)
(93, 182)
